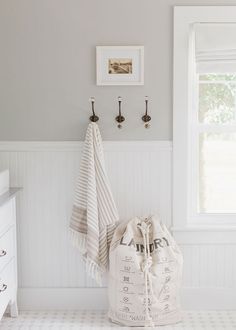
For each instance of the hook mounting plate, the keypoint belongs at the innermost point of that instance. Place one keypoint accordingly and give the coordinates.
(120, 119)
(146, 118)
(94, 118)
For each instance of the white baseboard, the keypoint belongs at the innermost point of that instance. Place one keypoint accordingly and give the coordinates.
(96, 298)
(208, 298)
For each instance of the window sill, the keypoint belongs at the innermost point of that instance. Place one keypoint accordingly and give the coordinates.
(210, 227)
(205, 235)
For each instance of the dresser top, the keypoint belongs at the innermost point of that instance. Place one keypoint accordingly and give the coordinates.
(5, 197)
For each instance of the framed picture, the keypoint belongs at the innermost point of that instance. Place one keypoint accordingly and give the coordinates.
(120, 65)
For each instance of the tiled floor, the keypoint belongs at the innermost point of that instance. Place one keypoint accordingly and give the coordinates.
(91, 320)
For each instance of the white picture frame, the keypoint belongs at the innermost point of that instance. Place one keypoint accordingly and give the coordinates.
(120, 65)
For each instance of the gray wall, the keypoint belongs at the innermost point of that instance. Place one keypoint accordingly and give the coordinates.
(47, 67)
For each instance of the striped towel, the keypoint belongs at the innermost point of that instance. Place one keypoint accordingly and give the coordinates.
(94, 211)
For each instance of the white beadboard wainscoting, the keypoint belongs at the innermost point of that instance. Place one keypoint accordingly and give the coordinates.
(51, 273)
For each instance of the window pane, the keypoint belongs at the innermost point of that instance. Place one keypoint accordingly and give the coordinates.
(217, 173)
(217, 98)
(217, 77)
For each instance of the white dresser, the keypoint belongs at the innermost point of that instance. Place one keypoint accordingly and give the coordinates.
(8, 257)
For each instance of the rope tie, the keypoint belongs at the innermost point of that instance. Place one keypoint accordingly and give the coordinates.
(146, 265)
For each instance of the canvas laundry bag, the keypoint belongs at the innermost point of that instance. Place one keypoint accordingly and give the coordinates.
(145, 274)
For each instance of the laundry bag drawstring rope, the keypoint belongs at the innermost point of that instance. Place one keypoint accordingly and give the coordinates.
(147, 264)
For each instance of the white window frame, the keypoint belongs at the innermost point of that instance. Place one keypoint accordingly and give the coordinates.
(184, 160)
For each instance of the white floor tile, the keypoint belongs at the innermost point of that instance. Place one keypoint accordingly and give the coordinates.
(91, 320)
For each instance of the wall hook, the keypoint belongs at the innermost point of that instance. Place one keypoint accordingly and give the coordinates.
(93, 118)
(120, 118)
(146, 118)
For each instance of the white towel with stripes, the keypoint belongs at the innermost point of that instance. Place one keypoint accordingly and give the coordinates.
(94, 211)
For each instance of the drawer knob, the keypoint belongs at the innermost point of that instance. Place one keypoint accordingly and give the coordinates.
(3, 288)
(3, 253)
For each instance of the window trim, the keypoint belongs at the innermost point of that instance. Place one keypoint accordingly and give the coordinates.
(184, 191)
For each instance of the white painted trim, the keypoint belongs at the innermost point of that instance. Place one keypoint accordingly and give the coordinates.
(204, 228)
(78, 145)
(208, 298)
(33, 146)
(202, 128)
(96, 298)
(209, 235)
(180, 119)
(184, 161)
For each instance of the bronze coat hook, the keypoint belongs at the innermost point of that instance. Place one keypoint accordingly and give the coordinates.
(120, 118)
(146, 118)
(93, 118)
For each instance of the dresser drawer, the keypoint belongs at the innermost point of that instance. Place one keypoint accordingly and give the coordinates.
(6, 247)
(6, 215)
(7, 285)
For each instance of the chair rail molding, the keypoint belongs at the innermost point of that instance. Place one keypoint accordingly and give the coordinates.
(78, 145)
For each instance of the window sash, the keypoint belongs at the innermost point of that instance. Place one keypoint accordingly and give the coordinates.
(215, 128)
(185, 124)
(194, 216)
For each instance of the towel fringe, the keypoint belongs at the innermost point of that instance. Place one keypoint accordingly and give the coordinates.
(93, 270)
(79, 240)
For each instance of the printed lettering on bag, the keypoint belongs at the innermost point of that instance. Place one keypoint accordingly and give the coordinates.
(158, 243)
